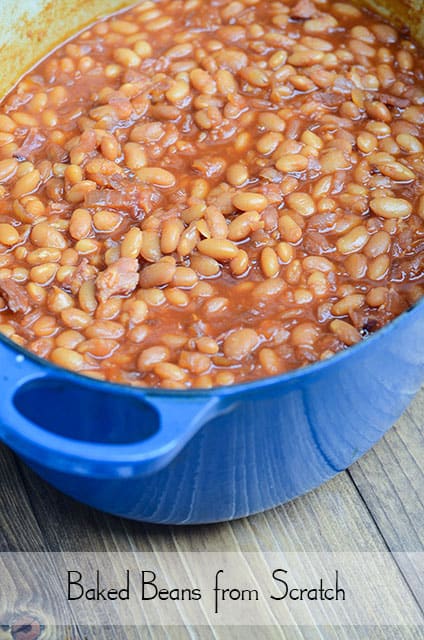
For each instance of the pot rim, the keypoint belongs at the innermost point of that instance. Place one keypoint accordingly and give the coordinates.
(235, 389)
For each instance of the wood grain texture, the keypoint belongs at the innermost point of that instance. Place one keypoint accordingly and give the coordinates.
(15, 510)
(16, 516)
(390, 480)
(377, 505)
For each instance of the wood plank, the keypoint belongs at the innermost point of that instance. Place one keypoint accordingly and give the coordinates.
(19, 530)
(318, 633)
(62, 521)
(333, 518)
(390, 480)
(16, 515)
(273, 531)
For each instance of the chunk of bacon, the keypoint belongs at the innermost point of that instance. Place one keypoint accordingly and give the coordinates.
(15, 295)
(120, 278)
(124, 196)
(34, 140)
(85, 145)
(303, 10)
(84, 271)
(393, 101)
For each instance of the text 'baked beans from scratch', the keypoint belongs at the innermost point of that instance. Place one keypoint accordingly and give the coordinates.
(204, 193)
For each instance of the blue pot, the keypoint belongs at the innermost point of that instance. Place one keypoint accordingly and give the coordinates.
(205, 456)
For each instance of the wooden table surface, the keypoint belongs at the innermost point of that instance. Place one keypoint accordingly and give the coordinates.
(376, 505)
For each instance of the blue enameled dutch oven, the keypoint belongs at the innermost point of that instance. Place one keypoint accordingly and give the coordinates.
(204, 456)
(195, 456)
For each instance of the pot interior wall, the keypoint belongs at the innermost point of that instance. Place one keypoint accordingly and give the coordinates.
(401, 13)
(32, 28)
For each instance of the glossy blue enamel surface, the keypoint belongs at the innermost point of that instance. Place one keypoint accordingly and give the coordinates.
(193, 457)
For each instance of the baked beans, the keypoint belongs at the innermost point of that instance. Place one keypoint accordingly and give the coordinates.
(202, 193)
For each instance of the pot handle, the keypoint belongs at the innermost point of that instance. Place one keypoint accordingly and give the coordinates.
(177, 420)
